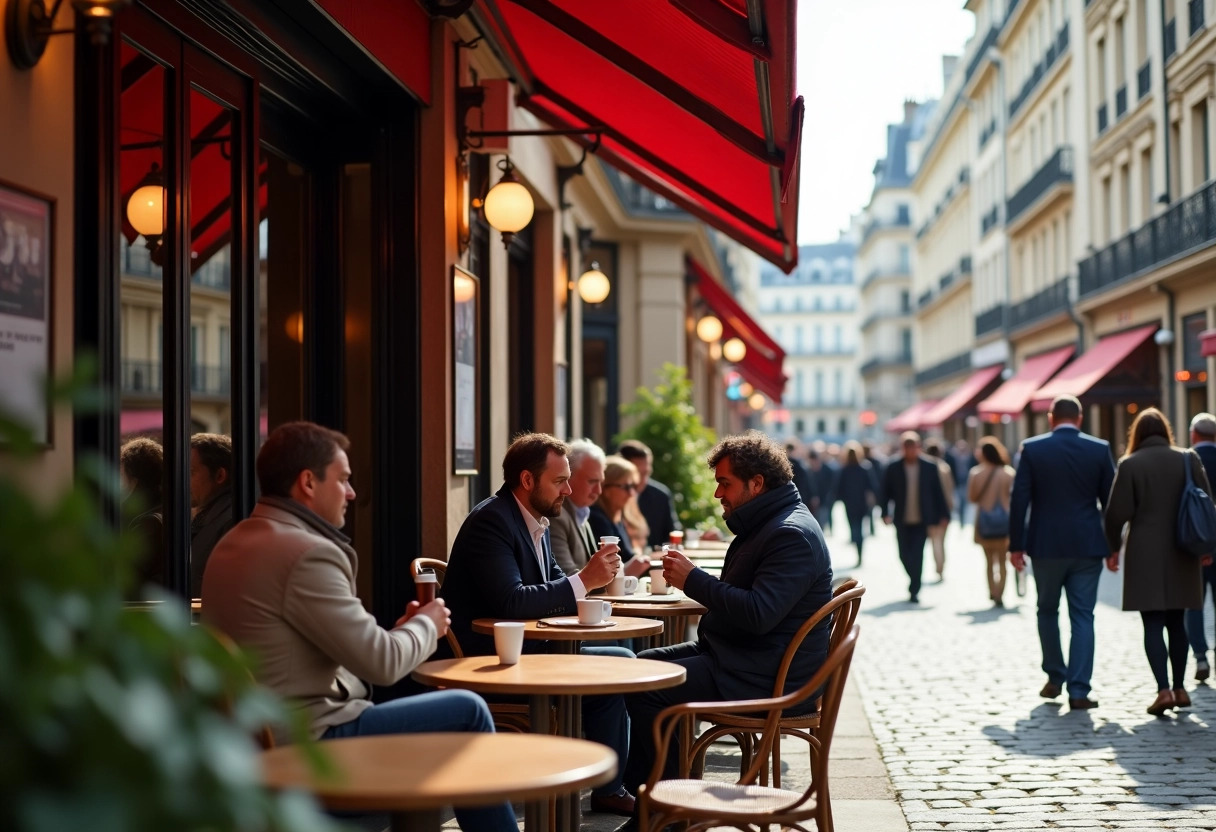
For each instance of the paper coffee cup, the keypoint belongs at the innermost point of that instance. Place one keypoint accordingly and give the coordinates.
(508, 641)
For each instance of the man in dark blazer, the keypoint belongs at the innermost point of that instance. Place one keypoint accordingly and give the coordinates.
(776, 574)
(912, 499)
(502, 566)
(1063, 480)
(1203, 440)
(654, 499)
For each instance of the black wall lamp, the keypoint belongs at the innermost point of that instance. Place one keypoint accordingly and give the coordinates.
(29, 24)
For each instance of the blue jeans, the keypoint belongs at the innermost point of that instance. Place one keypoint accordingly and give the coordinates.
(1194, 618)
(444, 710)
(1078, 579)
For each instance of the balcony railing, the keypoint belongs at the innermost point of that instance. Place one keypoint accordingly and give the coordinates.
(980, 52)
(989, 220)
(922, 300)
(147, 378)
(1039, 305)
(944, 369)
(1052, 54)
(1057, 171)
(989, 320)
(883, 315)
(1120, 101)
(1144, 79)
(1195, 12)
(987, 132)
(901, 359)
(875, 274)
(1103, 121)
(1171, 37)
(803, 402)
(1188, 225)
(901, 221)
(805, 350)
(964, 177)
(943, 282)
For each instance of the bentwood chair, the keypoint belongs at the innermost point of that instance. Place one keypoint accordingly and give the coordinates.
(747, 805)
(745, 728)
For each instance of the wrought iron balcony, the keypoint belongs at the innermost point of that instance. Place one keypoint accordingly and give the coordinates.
(884, 362)
(1195, 12)
(146, 378)
(1189, 225)
(1144, 79)
(989, 220)
(922, 300)
(943, 282)
(989, 320)
(903, 220)
(987, 132)
(944, 369)
(884, 315)
(1057, 171)
(1049, 301)
(1052, 54)
(1120, 102)
(1171, 37)
(875, 274)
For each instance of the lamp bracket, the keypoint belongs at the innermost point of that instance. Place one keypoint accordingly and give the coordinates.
(567, 172)
(29, 24)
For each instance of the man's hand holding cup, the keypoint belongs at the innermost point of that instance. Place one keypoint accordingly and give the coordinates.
(676, 567)
(436, 610)
(602, 567)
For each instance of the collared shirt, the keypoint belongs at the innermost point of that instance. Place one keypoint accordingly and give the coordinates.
(912, 500)
(537, 528)
(1207, 443)
(1066, 426)
(581, 513)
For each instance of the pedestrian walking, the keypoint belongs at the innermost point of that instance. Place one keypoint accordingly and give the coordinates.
(912, 500)
(857, 489)
(1160, 580)
(989, 486)
(937, 534)
(1203, 441)
(1062, 477)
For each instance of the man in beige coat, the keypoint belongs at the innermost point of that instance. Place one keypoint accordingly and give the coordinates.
(282, 585)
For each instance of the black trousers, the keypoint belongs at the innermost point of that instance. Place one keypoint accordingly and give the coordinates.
(911, 540)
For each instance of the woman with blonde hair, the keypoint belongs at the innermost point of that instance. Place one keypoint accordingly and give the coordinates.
(607, 516)
(1162, 581)
(989, 486)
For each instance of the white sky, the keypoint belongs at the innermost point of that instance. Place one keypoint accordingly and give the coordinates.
(857, 62)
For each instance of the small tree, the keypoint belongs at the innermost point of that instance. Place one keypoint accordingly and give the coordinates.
(666, 421)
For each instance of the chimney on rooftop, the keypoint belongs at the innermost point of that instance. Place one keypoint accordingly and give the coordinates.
(909, 110)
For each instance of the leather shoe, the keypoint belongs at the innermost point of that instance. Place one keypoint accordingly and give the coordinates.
(1182, 699)
(613, 804)
(1163, 702)
(1050, 691)
(1082, 704)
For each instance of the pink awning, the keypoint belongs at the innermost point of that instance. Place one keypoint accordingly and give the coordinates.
(962, 397)
(1078, 377)
(1012, 397)
(910, 418)
(1207, 343)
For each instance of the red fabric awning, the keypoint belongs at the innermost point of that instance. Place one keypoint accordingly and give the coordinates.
(694, 108)
(1078, 377)
(397, 34)
(761, 365)
(1207, 343)
(1012, 397)
(961, 397)
(910, 418)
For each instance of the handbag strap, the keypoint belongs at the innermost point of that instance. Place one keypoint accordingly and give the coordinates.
(988, 482)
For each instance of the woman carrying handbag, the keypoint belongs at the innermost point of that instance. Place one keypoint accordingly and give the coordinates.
(989, 486)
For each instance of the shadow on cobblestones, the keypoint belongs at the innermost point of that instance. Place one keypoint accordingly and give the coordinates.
(988, 615)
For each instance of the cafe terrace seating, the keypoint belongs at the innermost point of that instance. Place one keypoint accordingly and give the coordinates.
(706, 804)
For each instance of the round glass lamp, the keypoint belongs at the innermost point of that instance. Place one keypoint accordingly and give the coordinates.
(734, 350)
(709, 329)
(508, 206)
(146, 207)
(593, 285)
(746, 390)
(756, 400)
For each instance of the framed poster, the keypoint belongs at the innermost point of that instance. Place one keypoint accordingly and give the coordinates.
(466, 295)
(27, 221)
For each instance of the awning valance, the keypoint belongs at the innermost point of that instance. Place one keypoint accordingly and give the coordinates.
(910, 418)
(1012, 397)
(1207, 343)
(1098, 361)
(695, 107)
(961, 397)
(761, 365)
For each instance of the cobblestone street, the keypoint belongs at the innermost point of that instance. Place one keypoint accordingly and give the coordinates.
(951, 691)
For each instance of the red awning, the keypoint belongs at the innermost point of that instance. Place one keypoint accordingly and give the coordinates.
(694, 107)
(396, 34)
(1012, 397)
(961, 397)
(910, 418)
(1078, 377)
(1207, 343)
(761, 365)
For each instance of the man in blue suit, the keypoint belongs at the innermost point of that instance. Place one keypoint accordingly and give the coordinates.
(1062, 479)
(1203, 440)
(502, 566)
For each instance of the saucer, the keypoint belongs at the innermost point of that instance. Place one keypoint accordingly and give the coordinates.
(574, 622)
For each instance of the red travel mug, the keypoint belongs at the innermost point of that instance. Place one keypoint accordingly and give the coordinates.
(427, 585)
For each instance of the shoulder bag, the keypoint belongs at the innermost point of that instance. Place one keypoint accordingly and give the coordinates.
(993, 523)
(1196, 517)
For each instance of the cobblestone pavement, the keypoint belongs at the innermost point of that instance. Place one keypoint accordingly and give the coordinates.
(951, 691)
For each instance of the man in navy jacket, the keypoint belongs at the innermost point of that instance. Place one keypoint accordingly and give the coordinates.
(776, 574)
(1203, 440)
(502, 566)
(1063, 480)
(911, 498)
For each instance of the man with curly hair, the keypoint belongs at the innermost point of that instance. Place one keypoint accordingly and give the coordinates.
(776, 574)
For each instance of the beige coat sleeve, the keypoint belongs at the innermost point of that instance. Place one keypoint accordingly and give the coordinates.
(321, 604)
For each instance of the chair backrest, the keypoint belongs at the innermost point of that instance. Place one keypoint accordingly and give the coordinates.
(845, 602)
(441, 570)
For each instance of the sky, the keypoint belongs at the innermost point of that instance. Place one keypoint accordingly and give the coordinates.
(857, 62)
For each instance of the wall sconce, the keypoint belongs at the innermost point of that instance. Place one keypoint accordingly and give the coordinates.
(508, 206)
(29, 24)
(593, 285)
(464, 205)
(709, 329)
(734, 350)
(146, 210)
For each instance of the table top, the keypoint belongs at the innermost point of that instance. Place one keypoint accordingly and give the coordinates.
(685, 606)
(546, 673)
(536, 631)
(405, 772)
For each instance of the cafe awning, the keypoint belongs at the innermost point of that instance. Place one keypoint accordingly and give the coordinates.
(961, 397)
(1012, 397)
(761, 365)
(910, 418)
(1207, 343)
(697, 99)
(1098, 361)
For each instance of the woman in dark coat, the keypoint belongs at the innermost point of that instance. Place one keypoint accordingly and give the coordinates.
(1161, 581)
(855, 488)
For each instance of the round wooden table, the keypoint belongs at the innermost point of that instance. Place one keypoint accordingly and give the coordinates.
(414, 776)
(676, 613)
(569, 638)
(540, 676)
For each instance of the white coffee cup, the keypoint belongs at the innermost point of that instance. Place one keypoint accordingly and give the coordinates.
(609, 540)
(508, 641)
(622, 585)
(593, 611)
(658, 584)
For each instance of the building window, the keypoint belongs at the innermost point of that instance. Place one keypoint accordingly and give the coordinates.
(1192, 354)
